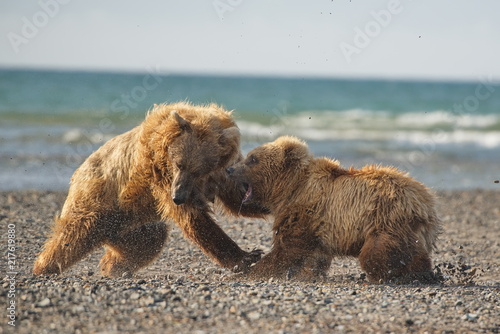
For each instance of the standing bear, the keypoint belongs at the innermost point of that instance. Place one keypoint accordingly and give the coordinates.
(378, 214)
(167, 168)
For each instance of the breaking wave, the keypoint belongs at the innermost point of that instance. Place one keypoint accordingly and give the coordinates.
(440, 127)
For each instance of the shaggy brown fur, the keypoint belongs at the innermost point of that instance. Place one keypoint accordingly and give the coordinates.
(161, 170)
(378, 214)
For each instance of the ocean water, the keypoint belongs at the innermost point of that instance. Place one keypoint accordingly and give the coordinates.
(446, 135)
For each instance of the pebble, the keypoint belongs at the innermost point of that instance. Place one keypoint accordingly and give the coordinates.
(134, 296)
(470, 317)
(44, 302)
(184, 292)
(254, 315)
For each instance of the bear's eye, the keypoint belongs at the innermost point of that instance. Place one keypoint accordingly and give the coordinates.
(252, 160)
(180, 166)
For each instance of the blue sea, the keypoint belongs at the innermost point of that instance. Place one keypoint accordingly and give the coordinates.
(446, 135)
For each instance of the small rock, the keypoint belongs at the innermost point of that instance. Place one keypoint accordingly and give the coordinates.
(470, 317)
(149, 301)
(78, 309)
(254, 315)
(44, 302)
(127, 275)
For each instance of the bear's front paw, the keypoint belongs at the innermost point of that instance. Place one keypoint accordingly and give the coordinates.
(42, 268)
(247, 261)
(114, 266)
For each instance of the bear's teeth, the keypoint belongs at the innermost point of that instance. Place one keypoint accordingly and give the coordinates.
(248, 194)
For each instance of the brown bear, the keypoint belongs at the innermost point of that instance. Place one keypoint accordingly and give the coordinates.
(164, 169)
(378, 214)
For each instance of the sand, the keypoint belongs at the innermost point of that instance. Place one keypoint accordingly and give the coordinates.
(183, 292)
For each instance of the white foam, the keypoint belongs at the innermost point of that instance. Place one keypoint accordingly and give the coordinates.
(441, 117)
(78, 135)
(437, 127)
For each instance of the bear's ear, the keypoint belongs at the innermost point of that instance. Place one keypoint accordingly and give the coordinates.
(230, 140)
(231, 134)
(183, 124)
(295, 152)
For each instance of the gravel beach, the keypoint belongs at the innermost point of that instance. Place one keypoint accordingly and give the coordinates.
(183, 292)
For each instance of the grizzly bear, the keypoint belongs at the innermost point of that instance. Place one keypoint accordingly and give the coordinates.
(378, 214)
(164, 169)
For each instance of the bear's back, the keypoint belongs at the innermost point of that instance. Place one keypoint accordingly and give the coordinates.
(351, 203)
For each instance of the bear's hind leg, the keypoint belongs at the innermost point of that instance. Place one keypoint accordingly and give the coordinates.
(384, 257)
(133, 250)
(420, 268)
(71, 240)
(421, 263)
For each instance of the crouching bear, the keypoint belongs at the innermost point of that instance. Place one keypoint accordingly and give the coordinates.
(381, 216)
(167, 168)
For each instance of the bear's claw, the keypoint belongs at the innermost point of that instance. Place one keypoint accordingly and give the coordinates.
(248, 260)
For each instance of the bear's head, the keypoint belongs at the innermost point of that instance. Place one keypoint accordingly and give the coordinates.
(190, 142)
(270, 172)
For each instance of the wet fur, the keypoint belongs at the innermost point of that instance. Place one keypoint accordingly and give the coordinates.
(378, 214)
(123, 194)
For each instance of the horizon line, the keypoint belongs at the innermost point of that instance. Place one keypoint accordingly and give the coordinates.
(243, 74)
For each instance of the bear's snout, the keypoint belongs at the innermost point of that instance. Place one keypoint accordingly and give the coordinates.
(179, 199)
(182, 188)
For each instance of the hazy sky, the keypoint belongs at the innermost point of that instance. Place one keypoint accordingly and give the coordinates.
(448, 39)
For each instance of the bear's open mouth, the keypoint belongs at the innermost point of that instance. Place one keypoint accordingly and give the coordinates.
(248, 193)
